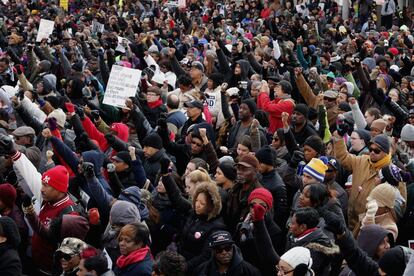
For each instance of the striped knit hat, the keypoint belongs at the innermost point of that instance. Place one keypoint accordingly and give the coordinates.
(316, 168)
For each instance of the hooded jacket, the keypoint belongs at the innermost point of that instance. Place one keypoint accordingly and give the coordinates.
(237, 267)
(9, 259)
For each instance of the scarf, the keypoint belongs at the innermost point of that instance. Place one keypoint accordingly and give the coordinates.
(155, 104)
(381, 163)
(134, 257)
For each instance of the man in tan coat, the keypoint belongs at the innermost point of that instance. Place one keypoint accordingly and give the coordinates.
(364, 170)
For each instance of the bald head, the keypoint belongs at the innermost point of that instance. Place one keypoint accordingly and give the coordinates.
(173, 101)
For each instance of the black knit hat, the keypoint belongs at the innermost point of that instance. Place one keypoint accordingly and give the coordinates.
(123, 156)
(302, 109)
(364, 135)
(251, 105)
(383, 142)
(265, 155)
(393, 261)
(152, 140)
(217, 78)
(316, 143)
(8, 229)
(228, 169)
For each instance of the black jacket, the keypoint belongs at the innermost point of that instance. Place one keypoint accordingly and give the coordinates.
(274, 183)
(9, 261)
(323, 250)
(152, 165)
(237, 267)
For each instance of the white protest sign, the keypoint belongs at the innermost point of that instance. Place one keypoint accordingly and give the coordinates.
(97, 27)
(45, 29)
(122, 84)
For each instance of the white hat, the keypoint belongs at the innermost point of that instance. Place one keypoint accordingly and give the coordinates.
(407, 133)
(59, 115)
(153, 49)
(296, 256)
(395, 68)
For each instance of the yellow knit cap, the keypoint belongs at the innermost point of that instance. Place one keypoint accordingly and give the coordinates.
(316, 168)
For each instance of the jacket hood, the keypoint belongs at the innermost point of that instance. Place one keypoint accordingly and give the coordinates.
(371, 236)
(133, 194)
(211, 190)
(124, 212)
(122, 130)
(74, 226)
(246, 69)
(49, 83)
(77, 89)
(320, 242)
(96, 158)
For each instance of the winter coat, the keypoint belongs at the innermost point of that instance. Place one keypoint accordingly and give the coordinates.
(322, 249)
(274, 183)
(176, 118)
(363, 180)
(152, 164)
(275, 109)
(237, 267)
(153, 114)
(232, 142)
(140, 268)
(9, 261)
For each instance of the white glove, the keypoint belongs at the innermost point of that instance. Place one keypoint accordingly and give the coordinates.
(110, 167)
(372, 208)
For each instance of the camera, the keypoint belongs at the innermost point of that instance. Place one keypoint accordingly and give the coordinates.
(243, 84)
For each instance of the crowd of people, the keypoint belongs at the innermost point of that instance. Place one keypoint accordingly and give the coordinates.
(266, 137)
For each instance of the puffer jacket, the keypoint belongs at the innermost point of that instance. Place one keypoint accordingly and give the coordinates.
(152, 164)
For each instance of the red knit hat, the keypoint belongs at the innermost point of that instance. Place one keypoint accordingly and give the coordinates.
(8, 195)
(393, 51)
(58, 178)
(263, 194)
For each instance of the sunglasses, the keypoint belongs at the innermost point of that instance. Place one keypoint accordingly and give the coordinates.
(375, 150)
(66, 257)
(328, 99)
(220, 249)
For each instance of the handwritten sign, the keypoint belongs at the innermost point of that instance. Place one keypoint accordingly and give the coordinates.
(45, 29)
(64, 4)
(123, 83)
(97, 27)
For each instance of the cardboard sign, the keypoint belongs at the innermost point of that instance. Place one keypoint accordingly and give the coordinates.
(123, 83)
(45, 29)
(64, 4)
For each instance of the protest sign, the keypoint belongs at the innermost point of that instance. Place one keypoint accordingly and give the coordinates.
(64, 4)
(45, 29)
(97, 27)
(123, 83)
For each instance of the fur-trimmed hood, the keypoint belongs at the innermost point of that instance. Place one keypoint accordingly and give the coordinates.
(326, 249)
(211, 190)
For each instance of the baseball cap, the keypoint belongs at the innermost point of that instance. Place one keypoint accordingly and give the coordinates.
(198, 65)
(71, 246)
(122, 156)
(220, 238)
(248, 161)
(194, 103)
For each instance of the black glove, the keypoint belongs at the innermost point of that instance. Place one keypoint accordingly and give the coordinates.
(95, 115)
(6, 145)
(88, 169)
(162, 123)
(342, 128)
(26, 200)
(80, 112)
(296, 158)
(334, 223)
(18, 69)
(52, 122)
(165, 165)
(110, 138)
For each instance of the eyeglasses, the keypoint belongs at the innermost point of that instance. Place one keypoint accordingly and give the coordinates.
(152, 94)
(220, 249)
(280, 271)
(197, 144)
(375, 150)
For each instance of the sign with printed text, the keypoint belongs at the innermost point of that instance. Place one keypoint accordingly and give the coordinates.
(45, 29)
(97, 27)
(64, 4)
(123, 83)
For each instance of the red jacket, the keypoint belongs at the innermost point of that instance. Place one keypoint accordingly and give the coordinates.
(43, 250)
(275, 109)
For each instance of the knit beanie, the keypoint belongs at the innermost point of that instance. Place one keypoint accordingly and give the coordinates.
(8, 195)
(296, 256)
(251, 105)
(393, 262)
(302, 109)
(316, 168)
(407, 133)
(369, 62)
(379, 124)
(263, 194)
(391, 174)
(316, 143)
(58, 178)
(383, 142)
(152, 140)
(364, 135)
(384, 194)
(59, 115)
(265, 155)
(228, 169)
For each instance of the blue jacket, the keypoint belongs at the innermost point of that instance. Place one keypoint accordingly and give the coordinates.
(142, 268)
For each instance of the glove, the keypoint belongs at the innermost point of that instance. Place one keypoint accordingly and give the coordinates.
(334, 223)
(80, 112)
(296, 158)
(6, 146)
(342, 128)
(88, 169)
(70, 107)
(52, 122)
(95, 115)
(26, 201)
(258, 212)
(162, 123)
(110, 167)
(372, 208)
(110, 138)
(94, 216)
(19, 69)
(165, 165)
(41, 102)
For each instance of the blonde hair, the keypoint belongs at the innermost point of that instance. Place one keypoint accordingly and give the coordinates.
(199, 175)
